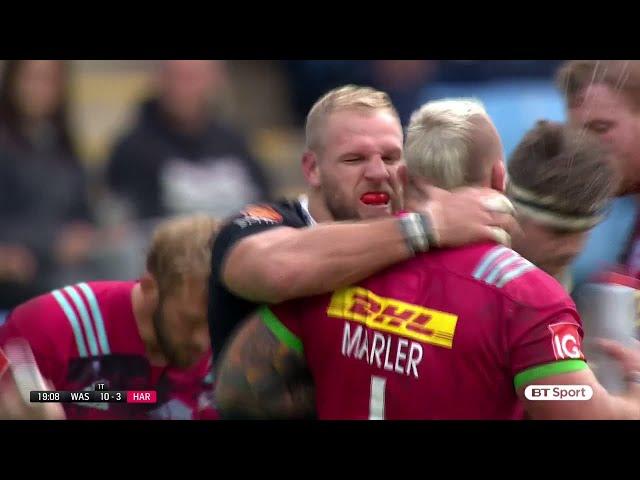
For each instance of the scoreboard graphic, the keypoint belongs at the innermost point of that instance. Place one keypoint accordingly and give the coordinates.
(98, 395)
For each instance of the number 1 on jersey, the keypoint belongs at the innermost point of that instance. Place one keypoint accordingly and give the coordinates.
(376, 401)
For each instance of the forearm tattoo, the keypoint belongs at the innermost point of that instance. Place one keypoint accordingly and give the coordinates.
(260, 377)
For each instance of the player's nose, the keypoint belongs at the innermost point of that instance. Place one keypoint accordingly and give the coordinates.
(376, 169)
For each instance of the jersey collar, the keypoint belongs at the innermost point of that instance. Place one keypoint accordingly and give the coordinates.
(304, 204)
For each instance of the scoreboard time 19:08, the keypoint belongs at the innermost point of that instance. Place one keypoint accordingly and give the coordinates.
(96, 396)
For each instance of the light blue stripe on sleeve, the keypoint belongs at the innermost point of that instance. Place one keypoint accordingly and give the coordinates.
(488, 259)
(73, 320)
(498, 269)
(513, 274)
(86, 321)
(97, 317)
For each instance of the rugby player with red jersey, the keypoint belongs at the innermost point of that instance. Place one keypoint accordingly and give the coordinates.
(457, 334)
(149, 334)
(342, 230)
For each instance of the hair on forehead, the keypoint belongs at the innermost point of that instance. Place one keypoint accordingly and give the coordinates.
(181, 248)
(348, 97)
(619, 75)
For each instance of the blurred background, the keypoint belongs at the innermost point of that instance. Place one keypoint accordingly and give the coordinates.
(94, 153)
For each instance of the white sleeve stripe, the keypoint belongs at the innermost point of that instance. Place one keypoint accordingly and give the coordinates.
(86, 321)
(513, 274)
(501, 267)
(487, 260)
(73, 320)
(97, 317)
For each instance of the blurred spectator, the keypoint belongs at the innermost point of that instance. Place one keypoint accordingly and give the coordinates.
(17, 275)
(310, 79)
(44, 213)
(406, 80)
(178, 158)
(401, 79)
(474, 71)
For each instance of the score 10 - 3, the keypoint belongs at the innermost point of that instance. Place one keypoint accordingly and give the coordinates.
(96, 396)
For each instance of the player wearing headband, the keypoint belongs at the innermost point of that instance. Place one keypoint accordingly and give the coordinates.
(561, 182)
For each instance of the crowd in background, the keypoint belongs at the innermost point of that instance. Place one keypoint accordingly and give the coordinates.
(201, 136)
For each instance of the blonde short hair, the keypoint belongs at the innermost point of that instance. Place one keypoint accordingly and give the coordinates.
(440, 142)
(181, 247)
(348, 97)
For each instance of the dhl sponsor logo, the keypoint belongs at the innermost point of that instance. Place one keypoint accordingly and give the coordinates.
(424, 325)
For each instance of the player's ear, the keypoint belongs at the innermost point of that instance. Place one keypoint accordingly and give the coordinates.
(310, 168)
(149, 287)
(498, 177)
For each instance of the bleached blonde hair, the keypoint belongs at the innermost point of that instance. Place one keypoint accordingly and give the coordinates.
(348, 97)
(440, 139)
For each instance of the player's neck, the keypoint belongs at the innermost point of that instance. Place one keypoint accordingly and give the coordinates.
(144, 320)
(565, 278)
(629, 182)
(317, 208)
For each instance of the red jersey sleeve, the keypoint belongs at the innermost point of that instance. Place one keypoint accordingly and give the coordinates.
(544, 342)
(37, 321)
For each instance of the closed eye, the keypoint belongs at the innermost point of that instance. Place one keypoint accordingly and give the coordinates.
(599, 126)
(352, 159)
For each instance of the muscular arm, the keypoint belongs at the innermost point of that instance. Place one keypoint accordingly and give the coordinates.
(285, 263)
(261, 377)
